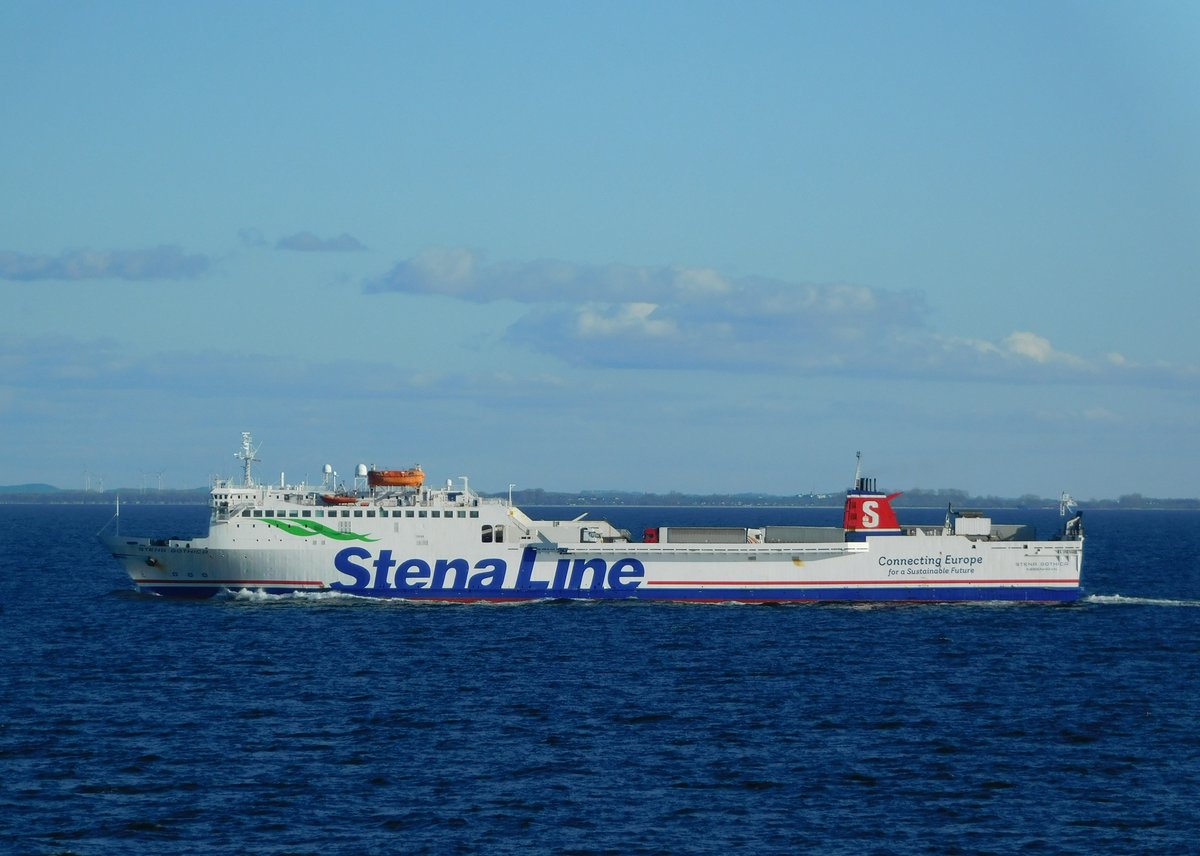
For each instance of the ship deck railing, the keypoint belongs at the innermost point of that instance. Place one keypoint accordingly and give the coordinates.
(307, 497)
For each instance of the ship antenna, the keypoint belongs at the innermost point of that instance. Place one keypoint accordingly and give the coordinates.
(857, 469)
(1065, 504)
(246, 456)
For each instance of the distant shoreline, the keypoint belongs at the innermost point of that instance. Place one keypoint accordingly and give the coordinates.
(45, 495)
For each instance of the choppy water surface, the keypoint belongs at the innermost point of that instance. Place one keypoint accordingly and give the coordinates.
(322, 724)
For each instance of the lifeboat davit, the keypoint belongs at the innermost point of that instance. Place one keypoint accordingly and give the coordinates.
(413, 477)
(338, 499)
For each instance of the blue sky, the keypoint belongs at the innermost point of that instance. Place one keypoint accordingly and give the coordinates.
(661, 246)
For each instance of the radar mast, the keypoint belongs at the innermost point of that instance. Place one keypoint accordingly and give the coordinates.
(246, 456)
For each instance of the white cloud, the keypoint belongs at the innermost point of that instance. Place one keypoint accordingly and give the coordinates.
(307, 242)
(1037, 348)
(467, 274)
(450, 271)
(61, 362)
(623, 319)
(701, 283)
(1029, 345)
(695, 318)
(162, 262)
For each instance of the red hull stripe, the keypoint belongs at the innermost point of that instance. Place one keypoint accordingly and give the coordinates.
(207, 582)
(700, 583)
(857, 583)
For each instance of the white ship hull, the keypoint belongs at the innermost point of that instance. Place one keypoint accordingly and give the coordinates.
(931, 568)
(453, 545)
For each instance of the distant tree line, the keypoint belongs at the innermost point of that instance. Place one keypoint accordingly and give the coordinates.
(914, 498)
(130, 496)
(919, 497)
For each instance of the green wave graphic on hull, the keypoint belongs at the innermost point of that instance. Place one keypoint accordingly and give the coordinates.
(306, 528)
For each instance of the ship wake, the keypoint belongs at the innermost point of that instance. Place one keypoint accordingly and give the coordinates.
(1126, 600)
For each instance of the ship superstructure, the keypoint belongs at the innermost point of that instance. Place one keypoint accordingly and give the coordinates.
(393, 535)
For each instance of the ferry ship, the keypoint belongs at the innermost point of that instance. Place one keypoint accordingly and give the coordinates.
(394, 536)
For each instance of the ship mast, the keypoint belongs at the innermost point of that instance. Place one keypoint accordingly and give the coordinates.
(246, 456)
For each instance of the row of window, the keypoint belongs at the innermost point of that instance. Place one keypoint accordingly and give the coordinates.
(488, 534)
(360, 512)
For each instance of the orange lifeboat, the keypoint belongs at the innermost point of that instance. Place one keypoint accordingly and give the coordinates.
(413, 477)
(338, 499)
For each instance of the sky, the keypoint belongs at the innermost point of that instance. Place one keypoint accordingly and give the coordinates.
(708, 247)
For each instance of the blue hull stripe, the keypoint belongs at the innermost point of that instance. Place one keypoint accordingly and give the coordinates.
(709, 594)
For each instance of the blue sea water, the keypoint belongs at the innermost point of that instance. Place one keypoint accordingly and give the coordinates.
(330, 724)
